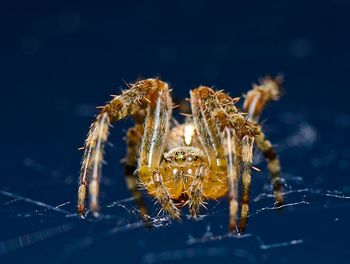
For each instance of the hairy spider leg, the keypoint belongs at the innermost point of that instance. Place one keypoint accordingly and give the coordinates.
(273, 165)
(215, 182)
(206, 126)
(268, 90)
(247, 158)
(152, 149)
(233, 168)
(133, 142)
(129, 102)
(256, 99)
(92, 163)
(244, 130)
(216, 113)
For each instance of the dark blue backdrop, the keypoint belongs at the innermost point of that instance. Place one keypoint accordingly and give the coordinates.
(59, 60)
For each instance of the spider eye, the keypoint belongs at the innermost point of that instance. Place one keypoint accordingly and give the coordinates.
(176, 153)
(195, 158)
(183, 153)
(183, 158)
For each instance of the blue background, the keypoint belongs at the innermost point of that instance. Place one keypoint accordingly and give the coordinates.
(60, 60)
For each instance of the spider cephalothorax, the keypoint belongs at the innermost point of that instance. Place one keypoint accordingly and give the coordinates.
(184, 164)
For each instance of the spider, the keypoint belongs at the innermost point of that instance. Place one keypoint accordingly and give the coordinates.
(184, 164)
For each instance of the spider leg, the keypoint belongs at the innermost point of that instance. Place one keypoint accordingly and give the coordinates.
(214, 112)
(273, 165)
(233, 168)
(247, 157)
(133, 141)
(92, 163)
(202, 103)
(256, 99)
(152, 149)
(129, 102)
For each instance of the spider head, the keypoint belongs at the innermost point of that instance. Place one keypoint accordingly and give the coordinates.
(184, 156)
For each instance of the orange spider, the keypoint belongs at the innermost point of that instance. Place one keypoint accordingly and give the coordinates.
(184, 164)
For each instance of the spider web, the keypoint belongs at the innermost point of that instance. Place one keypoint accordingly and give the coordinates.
(317, 195)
